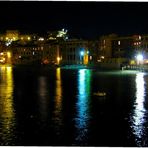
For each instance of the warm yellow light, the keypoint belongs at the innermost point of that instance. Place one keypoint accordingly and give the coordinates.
(58, 88)
(132, 62)
(8, 54)
(2, 60)
(146, 61)
(29, 38)
(7, 106)
(6, 38)
(1, 53)
(58, 59)
(22, 38)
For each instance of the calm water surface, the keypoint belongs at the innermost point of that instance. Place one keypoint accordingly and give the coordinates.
(44, 107)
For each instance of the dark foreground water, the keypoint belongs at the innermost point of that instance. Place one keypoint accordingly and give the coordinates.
(42, 107)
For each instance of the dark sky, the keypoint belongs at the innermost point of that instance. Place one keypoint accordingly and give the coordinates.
(82, 19)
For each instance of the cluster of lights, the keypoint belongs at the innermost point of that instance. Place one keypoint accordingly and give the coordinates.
(41, 39)
(2, 60)
(82, 53)
(4, 56)
(62, 33)
(137, 43)
(8, 42)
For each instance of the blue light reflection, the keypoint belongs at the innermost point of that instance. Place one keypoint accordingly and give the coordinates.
(83, 106)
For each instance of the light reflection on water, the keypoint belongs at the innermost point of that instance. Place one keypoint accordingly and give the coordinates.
(43, 95)
(139, 114)
(58, 102)
(7, 114)
(82, 105)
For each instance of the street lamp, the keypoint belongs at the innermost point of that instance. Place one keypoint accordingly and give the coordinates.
(139, 58)
(81, 56)
(82, 53)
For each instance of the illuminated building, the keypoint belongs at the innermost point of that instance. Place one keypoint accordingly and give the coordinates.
(71, 51)
(35, 53)
(119, 50)
(12, 35)
(105, 45)
(57, 35)
(26, 54)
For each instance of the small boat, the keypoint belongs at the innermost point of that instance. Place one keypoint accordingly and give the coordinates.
(100, 94)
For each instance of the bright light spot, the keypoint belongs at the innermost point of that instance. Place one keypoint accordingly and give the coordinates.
(119, 43)
(29, 38)
(8, 42)
(58, 59)
(33, 53)
(87, 52)
(62, 33)
(2, 60)
(9, 54)
(139, 57)
(138, 117)
(52, 38)
(104, 41)
(132, 62)
(82, 53)
(146, 61)
(82, 118)
(1, 53)
(102, 57)
(41, 39)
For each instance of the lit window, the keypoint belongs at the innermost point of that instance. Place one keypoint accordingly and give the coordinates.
(104, 41)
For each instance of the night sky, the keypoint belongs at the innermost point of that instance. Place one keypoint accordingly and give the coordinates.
(87, 20)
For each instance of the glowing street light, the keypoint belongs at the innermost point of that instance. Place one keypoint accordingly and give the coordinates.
(58, 59)
(82, 53)
(139, 58)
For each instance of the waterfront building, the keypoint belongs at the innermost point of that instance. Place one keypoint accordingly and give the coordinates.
(56, 49)
(74, 51)
(105, 46)
(45, 53)
(122, 50)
